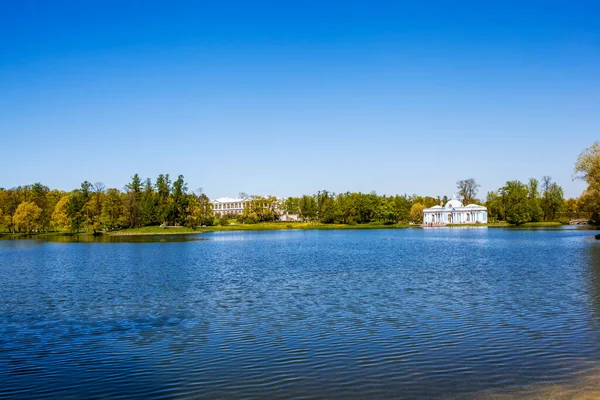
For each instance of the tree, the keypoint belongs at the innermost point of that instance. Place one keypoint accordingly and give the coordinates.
(5, 205)
(261, 209)
(132, 202)
(38, 193)
(515, 198)
(148, 205)
(552, 198)
(467, 189)
(60, 216)
(112, 209)
(325, 207)
(533, 201)
(27, 217)
(495, 205)
(93, 208)
(416, 213)
(292, 205)
(179, 200)
(163, 190)
(308, 207)
(199, 211)
(386, 211)
(587, 168)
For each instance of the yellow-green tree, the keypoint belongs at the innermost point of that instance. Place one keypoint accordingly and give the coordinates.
(60, 216)
(416, 213)
(587, 168)
(27, 217)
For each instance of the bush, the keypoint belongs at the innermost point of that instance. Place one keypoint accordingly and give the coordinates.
(223, 221)
(250, 218)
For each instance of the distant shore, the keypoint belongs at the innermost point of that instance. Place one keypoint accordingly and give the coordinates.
(266, 226)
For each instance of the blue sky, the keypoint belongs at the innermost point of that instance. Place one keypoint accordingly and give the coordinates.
(289, 98)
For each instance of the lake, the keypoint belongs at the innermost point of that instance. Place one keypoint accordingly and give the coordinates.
(408, 313)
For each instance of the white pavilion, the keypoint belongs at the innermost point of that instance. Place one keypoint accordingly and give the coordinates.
(454, 212)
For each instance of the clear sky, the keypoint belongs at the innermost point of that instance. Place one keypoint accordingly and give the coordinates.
(287, 98)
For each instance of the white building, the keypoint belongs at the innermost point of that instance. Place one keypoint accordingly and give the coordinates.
(228, 205)
(454, 213)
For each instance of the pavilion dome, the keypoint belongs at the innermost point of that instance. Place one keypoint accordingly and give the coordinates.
(454, 203)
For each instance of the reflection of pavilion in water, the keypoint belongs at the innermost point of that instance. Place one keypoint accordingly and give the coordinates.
(454, 212)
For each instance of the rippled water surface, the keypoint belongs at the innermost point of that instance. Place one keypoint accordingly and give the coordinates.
(438, 313)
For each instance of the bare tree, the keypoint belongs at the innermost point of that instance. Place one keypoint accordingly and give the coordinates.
(99, 187)
(467, 189)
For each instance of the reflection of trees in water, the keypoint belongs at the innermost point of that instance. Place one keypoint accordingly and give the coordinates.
(118, 238)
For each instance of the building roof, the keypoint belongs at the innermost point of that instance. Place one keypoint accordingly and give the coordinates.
(227, 200)
(454, 203)
(474, 206)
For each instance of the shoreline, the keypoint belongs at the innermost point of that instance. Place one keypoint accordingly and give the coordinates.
(267, 226)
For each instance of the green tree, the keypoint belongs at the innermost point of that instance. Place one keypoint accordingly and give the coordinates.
(533, 201)
(179, 201)
(163, 191)
(132, 206)
(495, 205)
(38, 194)
(148, 205)
(402, 205)
(292, 205)
(112, 209)
(386, 211)
(199, 211)
(326, 207)
(515, 198)
(308, 207)
(552, 199)
(261, 209)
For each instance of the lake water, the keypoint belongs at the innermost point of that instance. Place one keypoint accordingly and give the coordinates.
(413, 313)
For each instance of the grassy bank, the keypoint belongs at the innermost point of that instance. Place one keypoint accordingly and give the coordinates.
(541, 224)
(154, 230)
(507, 225)
(263, 226)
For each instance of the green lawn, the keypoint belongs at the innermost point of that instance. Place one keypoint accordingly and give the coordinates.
(541, 224)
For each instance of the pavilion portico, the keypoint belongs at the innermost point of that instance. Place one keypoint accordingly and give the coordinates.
(454, 212)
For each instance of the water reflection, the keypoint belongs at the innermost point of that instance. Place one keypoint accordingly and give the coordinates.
(353, 314)
(27, 241)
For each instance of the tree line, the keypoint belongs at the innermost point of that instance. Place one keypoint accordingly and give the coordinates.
(93, 208)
